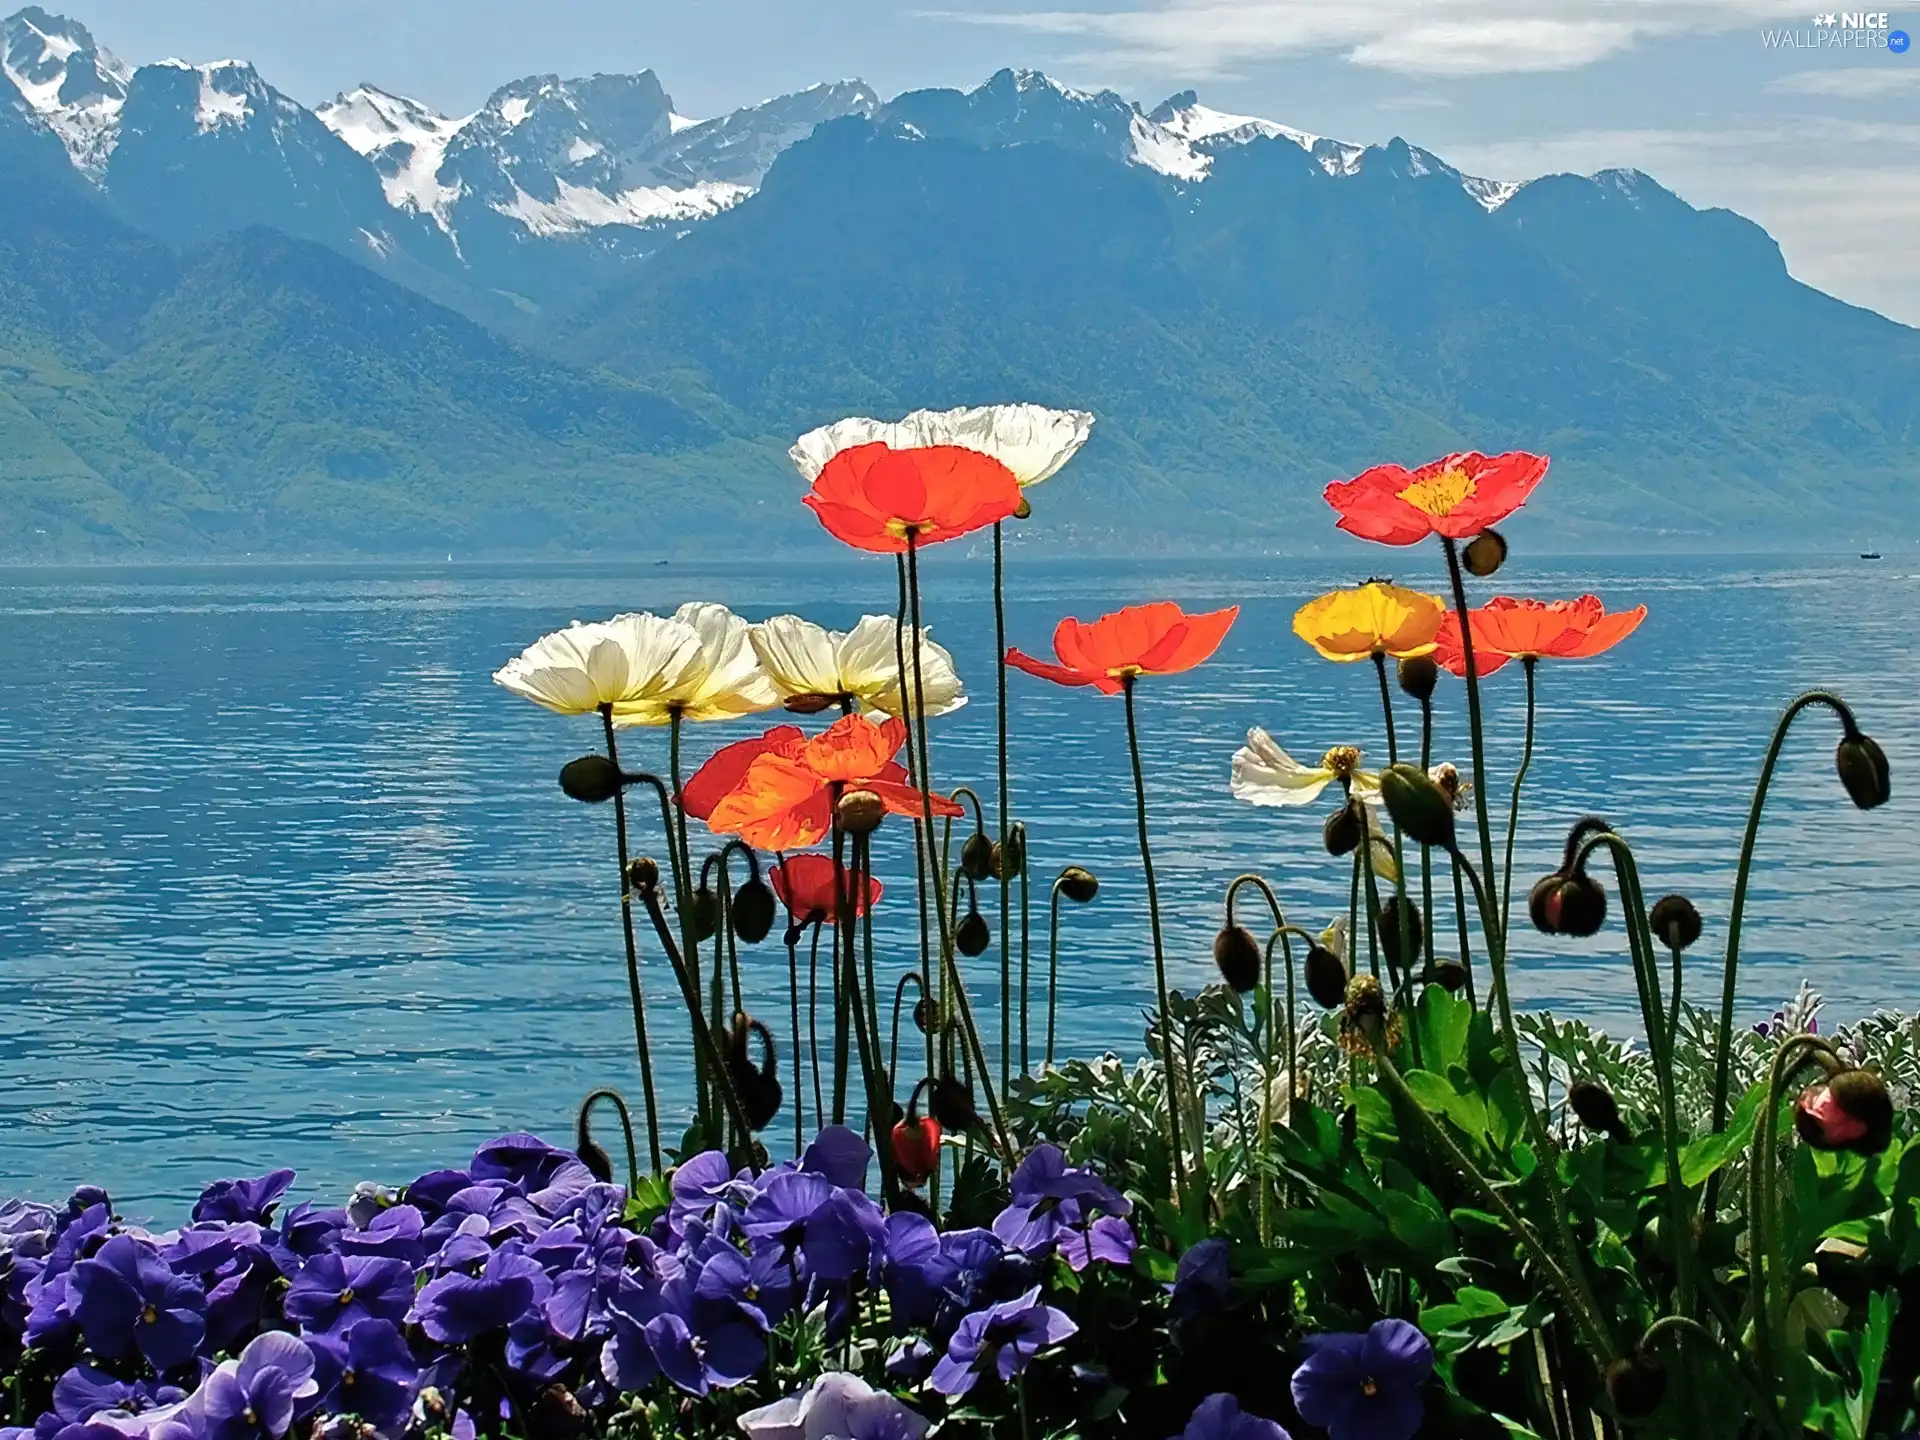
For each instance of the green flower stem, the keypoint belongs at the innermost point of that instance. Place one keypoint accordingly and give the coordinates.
(793, 996)
(879, 1090)
(1159, 948)
(683, 891)
(634, 992)
(842, 981)
(1002, 1136)
(1426, 851)
(1026, 931)
(1730, 974)
(912, 977)
(813, 1022)
(1264, 1030)
(1399, 851)
(1053, 962)
(1460, 919)
(1496, 947)
(922, 843)
(1592, 1324)
(1529, 664)
(1398, 978)
(703, 1041)
(1006, 877)
(619, 1102)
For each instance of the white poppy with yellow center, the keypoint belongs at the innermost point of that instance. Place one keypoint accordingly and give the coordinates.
(628, 660)
(724, 680)
(807, 662)
(1265, 774)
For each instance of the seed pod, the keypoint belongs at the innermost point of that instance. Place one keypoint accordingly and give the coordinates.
(1418, 805)
(1326, 977)
(1636, 1384)
(1364, 998)
(591, 779)
(1675, 922)
(949, 1102)
(753, 910)
(1078, 884)
(976, 856)
(1390, 917)
(1344, 829)
(860, 812)
(643, 873)
(1862, 765)
(1237, 954)
(1485, 553)
(703, 912)
(971, 937)
(1418, 676)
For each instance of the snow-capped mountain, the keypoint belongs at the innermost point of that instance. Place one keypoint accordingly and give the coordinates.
(405, 140)
(74, 85)
(1210, 131)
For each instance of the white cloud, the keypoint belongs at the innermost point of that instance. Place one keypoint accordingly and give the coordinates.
(1205, 38)
(1853, 82)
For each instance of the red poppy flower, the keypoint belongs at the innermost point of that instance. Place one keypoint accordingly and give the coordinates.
(873, 496)
(1156, 639)
(782, 797)
(1559, 630)
(804, 884)
(1457, 496)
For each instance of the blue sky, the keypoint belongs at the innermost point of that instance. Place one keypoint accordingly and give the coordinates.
(1820, 146)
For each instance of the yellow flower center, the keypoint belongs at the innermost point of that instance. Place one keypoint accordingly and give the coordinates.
(1438, 494)
(1369, 1387)
(903, 529)
(1342, 760)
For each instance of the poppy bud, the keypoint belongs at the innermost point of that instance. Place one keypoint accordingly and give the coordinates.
(590, 1154)
(1390, 920)
(1596, 1108)
(860, 812)
(1024, 509)
(753, 908)
(1850, 1111)
(1418, 676)
(1863, 770)
(1485, 553)
(916, 1148)
(1418, 805)
(1567, 905)
(809, 704)
(1675, 921)
(757, 1086)
(923, 1015)
(1636, 1384)
(976, 856)
(703, 913)
(1011, 858)
(1344, 828)
(972, 936)
(1326, 977)
(1450, 975)
(1237, 954)
(949, 1102)
(591, 779)
(643, 873)
(1078, 884)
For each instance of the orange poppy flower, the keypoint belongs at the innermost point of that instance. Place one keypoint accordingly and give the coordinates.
(873, 496)
(804, 884)
(782, 798)
(1457, 496)
(1156, 639)
(1535, 629)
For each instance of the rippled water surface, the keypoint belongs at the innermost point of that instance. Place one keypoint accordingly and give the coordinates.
(284, 879)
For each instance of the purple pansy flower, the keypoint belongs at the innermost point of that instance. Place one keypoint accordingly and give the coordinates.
(845, 1239)
(1219, 1417)
(258, 1396)
(837, 1406)
(778, 1215)
(369, 1372)
(1003, 1338)
(84, 1392)
(127, 1296)
(456, 1308)
(334, 1293)
(394, 1233)
(1109, 1239)
(724, 1356)
(840, 1155)
(237, 1200)
(1203, 1280)
(1365, 1387)
(757, 1288)
(1052, 1204)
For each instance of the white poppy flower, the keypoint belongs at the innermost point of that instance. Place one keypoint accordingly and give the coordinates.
(1265, 774)
(1030, 440)
(630, 659)
(837, 1406)
(724, 681)
(863, 664)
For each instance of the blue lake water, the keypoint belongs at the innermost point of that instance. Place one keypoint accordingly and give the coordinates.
(285, 879)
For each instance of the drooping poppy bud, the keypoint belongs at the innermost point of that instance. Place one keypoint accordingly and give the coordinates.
(916, 1148)
(949, 1102)
(1344, 828)
(860, 812)
(1849, 1111)
(1326, 977)
(810, 704)
(590, 1153)
(1418, 676)
(1863, 770)
(1449, 974)
(758, 1086)
(1636, 1384)
(972, 936)
(753, 910)
(1078, 884)
(1596, 1109)
(1567, 905)
(1009, 859)
(1237, 954)
(703, 912)
(1675, 921)
(976, 856)
(1418, 805)
(643, 873)
(1024, 509)
(1485, 553)
(592, 779)
(1391, 914)
(924, 1013)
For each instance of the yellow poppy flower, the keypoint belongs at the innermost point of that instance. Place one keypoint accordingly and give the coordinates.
(1376, 618)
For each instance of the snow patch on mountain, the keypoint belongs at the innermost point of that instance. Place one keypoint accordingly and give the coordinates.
(577, 208)
(405, 140)
(77, 88)
(1162, 150)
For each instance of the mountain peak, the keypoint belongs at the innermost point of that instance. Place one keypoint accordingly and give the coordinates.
(74, 85)
(405, 139)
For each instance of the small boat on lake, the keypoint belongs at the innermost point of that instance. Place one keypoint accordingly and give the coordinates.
(1869, 554)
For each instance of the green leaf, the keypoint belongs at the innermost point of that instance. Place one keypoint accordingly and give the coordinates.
(648, 1202)
(1873, 1355)
(1700, 1158)
(1443, 1021)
